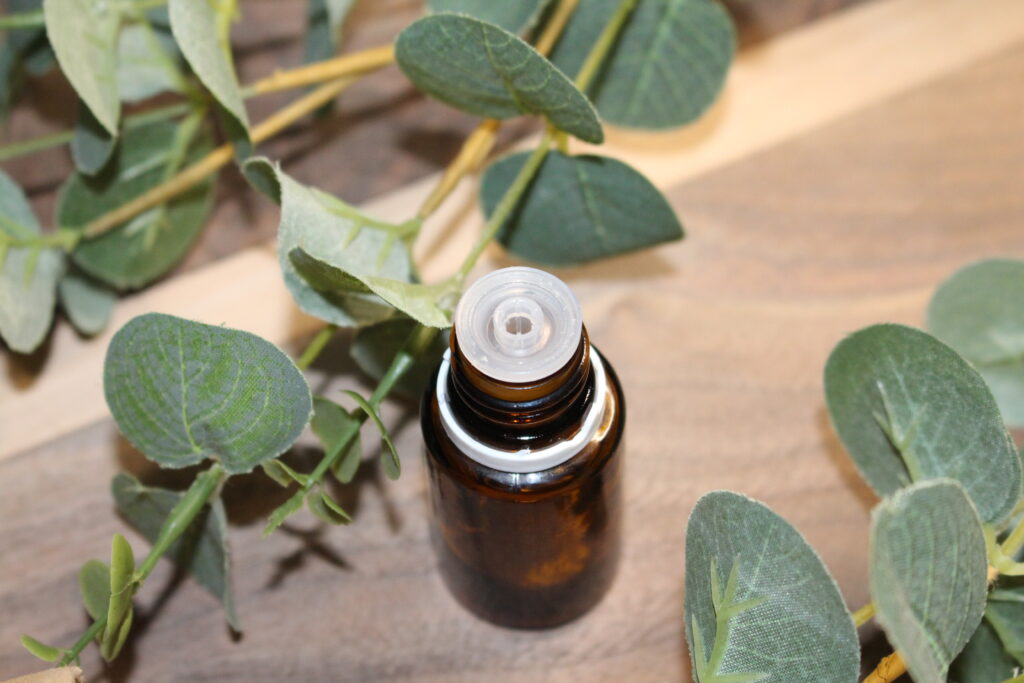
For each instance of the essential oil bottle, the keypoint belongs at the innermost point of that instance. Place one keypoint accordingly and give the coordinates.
(523, 425)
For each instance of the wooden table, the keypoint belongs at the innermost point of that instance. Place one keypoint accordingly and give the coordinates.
(852, 166)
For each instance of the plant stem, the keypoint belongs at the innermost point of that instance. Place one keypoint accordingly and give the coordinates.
(32, 19)
(604, 43)
(864, 615)
(474, 150)
(315, 346)
(555, 26)
(1015, 541)
(216, 159)
(888, 670)
(346, 65)
(179, 519)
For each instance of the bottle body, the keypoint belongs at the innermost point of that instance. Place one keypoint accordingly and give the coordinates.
(527, 549)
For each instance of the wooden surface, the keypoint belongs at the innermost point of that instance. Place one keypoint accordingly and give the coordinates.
(904, 164)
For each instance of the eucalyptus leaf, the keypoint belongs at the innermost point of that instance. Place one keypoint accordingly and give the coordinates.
(909, 409)
(94, 585)
(331, 423)
(28, 276)
(483, 69)
(1005, 612)
(47, 653)
(93, 145)
(122, 587)
(83, 34)
(928, 571)
(389, 459)
(978, 312)
(431, 305)
(87, 302)
(147, 62)
(182, 392)
(374, 347)
(760, 605)
(515, 17)
(283, 474)
(202, 550)
(579, 209)
(323, 27)
(326, 509)
(338, 234)
(147, 246)
(195, 27)
(21, 50)
(667, 65)
(983, 659)
(283, 511)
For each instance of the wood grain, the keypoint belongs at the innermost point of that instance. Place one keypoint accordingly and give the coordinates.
(720, 341)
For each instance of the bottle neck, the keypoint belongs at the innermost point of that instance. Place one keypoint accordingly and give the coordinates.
(522, 415)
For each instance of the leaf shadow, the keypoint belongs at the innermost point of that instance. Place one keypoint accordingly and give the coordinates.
(843, 462)
(311, 545)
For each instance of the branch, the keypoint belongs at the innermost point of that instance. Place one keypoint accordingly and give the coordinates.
(888, 670)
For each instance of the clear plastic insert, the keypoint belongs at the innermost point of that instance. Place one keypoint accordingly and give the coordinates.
(518, 324)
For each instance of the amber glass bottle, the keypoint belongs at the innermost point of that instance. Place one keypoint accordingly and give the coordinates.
(523, 426)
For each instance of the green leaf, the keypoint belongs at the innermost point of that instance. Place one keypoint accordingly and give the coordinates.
(47, 653)
(122, 586)
(195, 27)
(977, 311)
(182, 391)
(83, 34)
(485, 70)
(431, 305)
(760, 605)
(374, 347)
(283, 474)
(666, 67)
(515, 17)
(87, 302)
(983, 659)
(285, 510)
(147, 62)
(909, 409)
(202, 550)
(579, 209)
(338, 234)
(93, 145)
(109, 649)
(141, 250)
(1005, 613)
(390, 461)
(94, 585)
(323, 30)
(928, 571)
(331, 423)
(325, 508)
(28, 276)
(21, 50)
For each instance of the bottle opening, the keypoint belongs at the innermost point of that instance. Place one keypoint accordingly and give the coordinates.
(518, 324)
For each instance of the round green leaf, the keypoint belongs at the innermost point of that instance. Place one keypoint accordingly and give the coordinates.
(182, 391)
(579, 209)
(978, 312)
(141, 250)
(87, 302)
(908, 408)
(331, 423)
(515, 17)
(983, 659)
(92, 145)
(94, 585)
(928, 574)
(375, 346)
(147, 62)
(760, 605)
(1005, 613)
(485, 70)
(667, 66)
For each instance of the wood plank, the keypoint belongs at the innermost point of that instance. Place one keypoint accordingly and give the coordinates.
(792, 85)
(720, 342)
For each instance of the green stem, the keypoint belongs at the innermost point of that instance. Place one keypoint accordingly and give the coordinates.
(1014, 542)
(864, 615)
(315, 346)
(604, 43)
(33, 19)
(1015, 679)
(179, 519)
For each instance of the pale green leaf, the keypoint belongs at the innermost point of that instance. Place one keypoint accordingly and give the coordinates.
(122, 587)
(338, 234)
(283, 474)
(374, 347)
(47, 653)
(579, 209)
(983, 659)
(928, 574)
(760, 605)
(141, 250)
(667, 65)
(110, 648)
(978, 312)
(389, 461)
(93, 145)
(94, 585)
(285, 510)
(516, 17)
(485, 70)
(147, 62)
(325, 508)
(332, 423)
(908, 409)
(87, 302)
(194, 24)
(202, 550)
(325, 19)
(28, 276)
(182, 392)
(83, 34)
